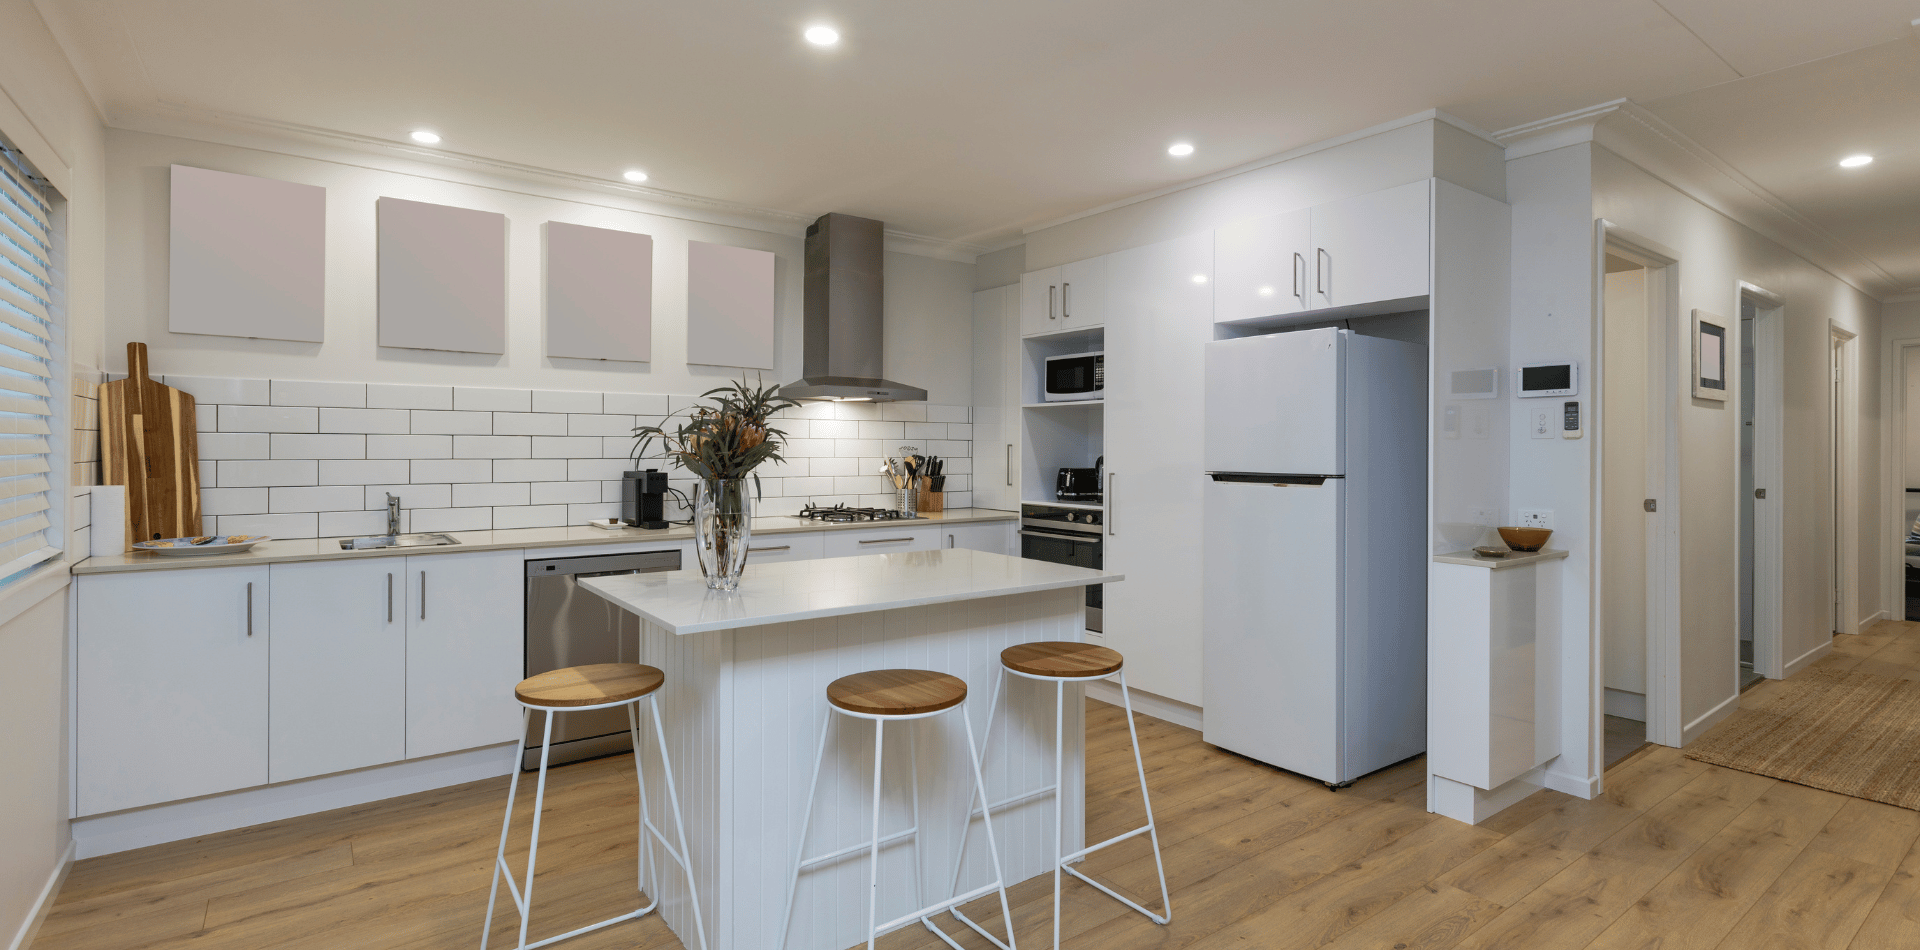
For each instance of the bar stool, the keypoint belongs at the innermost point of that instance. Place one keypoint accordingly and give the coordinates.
(885, 696)
(577, 689)
(1060, 663)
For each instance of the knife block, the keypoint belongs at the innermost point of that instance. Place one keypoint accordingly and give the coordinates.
(928, 499)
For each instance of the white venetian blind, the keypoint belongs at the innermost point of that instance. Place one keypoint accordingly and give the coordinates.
(30, 304)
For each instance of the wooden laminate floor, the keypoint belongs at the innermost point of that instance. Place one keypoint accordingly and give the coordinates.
(1675, 854)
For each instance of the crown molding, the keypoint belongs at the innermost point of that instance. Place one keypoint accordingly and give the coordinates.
(347, 148)
(1560, 131)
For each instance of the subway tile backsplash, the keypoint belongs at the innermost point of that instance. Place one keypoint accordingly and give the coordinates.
(299, 459)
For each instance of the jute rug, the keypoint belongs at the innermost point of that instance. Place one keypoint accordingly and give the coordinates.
(1853, 733)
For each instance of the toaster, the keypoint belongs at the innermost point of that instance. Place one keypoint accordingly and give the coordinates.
(1078, 484)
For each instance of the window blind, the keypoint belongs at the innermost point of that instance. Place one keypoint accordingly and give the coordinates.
(30, 302)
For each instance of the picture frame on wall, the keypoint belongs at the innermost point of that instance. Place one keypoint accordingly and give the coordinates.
(1709, 356)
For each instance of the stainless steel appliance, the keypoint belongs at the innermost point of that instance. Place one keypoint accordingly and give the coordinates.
(1065, 536)
(843, 290)
(841, 514)
(567, 626)
(1076, 377)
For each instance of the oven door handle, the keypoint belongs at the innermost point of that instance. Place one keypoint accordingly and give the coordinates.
(1082, 538)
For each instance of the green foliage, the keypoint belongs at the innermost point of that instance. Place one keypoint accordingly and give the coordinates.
(725, 440)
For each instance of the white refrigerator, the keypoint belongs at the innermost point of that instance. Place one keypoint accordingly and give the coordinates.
(1315, 551)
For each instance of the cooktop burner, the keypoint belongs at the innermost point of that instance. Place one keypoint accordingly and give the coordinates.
(842, 514)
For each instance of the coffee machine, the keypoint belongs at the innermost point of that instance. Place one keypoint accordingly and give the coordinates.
(643, 498)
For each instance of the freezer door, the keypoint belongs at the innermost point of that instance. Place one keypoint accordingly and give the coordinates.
(1274, 403)
(1271, 623)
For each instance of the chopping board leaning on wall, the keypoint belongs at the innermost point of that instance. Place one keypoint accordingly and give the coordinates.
(147, 443)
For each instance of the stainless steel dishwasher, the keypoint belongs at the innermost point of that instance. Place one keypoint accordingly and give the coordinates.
(567, 626)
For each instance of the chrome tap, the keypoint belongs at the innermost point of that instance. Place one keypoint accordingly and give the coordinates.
(393, 514)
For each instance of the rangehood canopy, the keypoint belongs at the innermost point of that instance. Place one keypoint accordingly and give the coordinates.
(842, 335)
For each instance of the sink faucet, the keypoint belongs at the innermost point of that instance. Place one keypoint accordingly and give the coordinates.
(393, 514)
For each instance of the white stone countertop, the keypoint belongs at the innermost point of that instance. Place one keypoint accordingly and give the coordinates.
(1516, 559)
(328, 549)
(680, 602)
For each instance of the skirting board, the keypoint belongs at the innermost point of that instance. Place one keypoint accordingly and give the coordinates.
(1808, 658)
(1709, 719)
(1159, 707)
(1863, 625)
(1579, 786)
(177, 821)
(1625, 704)
(30, 927)
(1462, 802)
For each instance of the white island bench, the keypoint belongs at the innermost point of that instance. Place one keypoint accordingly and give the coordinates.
(747, 673)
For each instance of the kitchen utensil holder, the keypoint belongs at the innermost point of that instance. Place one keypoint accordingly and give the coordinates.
(908, 501)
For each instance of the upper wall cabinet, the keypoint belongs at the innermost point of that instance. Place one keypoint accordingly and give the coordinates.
(1069, 297)
(247, 256)
(599, 293)
(729, 305)
(443, 277)
(1359, 252)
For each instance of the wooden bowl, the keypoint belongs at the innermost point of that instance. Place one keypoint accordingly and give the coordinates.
(1526, 539)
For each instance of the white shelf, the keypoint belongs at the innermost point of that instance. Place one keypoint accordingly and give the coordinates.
(1069, 334)
(1077, 505)
(1095, 403)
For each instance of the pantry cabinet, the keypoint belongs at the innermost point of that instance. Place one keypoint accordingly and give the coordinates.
(996, 398)
(172, 685)
(1366, 251)
(338, 676)
(465, 649)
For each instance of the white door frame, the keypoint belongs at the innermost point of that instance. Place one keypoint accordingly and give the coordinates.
(1846, 448)
(1894, 466)
(1663, 482)
(1769, 473)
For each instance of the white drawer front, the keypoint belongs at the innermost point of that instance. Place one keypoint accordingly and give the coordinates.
(885, 540)
(773, 548)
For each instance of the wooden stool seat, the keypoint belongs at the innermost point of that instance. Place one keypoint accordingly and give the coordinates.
(897, 692)
(593, 685)
(1058, 658)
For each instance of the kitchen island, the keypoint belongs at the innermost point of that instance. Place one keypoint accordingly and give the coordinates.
(747, 673)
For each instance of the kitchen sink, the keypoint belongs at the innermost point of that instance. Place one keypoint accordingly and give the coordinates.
(397, 541)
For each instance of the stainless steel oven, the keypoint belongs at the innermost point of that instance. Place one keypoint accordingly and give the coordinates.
(1065, 535)
(567, 626)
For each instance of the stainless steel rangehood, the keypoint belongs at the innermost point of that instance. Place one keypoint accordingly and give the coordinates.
(842, 332)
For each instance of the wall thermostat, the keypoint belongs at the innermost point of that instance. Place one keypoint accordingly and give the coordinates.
(1549, 379)
(1570, 426)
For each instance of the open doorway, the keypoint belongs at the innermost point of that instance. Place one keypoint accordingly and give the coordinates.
(1762, 338)
(1843, 412)
(1907, 359)
(1626, 426)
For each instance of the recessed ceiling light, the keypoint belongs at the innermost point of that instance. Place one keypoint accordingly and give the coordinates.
(822, 35)
(425, 137)
(1180, 149)
(635, 174)
(1855, 161)
(1199, 278)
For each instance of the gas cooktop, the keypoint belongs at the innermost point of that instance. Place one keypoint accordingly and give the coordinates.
(841, 514)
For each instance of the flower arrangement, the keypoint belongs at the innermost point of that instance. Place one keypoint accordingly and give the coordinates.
(726, 440)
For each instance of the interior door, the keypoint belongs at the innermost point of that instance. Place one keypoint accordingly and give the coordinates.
(1159, 320)
(1272, 622)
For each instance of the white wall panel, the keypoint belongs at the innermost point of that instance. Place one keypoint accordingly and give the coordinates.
(729, 305)
(247, 256)
(600, 293)
(443, 277)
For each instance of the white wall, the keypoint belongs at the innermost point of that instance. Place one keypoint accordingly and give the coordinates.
(45, 111)
(920, 291)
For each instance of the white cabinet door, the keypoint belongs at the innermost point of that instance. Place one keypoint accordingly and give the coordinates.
(1371, 247)
(1160, 320)
(466, 617)
(996, 410)
(339, 672)
(1262, 267)
(1083, 293)
(889, 540)
(993, 537)
(172, 685)
(774, 548)
(1040, 302)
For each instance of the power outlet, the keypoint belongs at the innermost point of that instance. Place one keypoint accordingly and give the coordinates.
(1536, 518)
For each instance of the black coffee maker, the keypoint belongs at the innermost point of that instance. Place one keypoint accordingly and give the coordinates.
(643, 498)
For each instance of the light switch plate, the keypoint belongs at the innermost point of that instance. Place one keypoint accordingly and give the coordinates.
(1536, 518)
(1543, 423)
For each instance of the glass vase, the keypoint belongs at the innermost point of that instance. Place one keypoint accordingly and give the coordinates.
(722, 521)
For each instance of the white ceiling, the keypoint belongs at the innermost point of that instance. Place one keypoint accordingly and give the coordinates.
(963, 122)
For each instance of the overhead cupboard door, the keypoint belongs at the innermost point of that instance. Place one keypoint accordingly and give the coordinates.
(1274, 404)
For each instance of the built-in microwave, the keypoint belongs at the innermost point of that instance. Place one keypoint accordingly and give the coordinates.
(1076, 377)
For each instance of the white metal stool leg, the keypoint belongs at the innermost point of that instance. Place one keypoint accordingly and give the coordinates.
(649, 834)
(1061, 860)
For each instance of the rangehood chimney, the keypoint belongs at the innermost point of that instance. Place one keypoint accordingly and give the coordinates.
(842, 333)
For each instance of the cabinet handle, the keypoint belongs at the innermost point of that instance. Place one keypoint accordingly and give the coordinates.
(1320, 272)
(885, 540)
(1111, 504)
(423, 595)
(249, 608)
(389, 598)
(784, 547)
(950, 541)
(1299, 271)
(1066, 301)
(1009, 464)
(1050, 289)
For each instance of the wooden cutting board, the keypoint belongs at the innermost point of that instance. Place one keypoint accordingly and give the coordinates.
(148, 443)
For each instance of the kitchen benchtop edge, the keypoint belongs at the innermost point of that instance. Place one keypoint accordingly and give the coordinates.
(1516, 559)
(292, 550)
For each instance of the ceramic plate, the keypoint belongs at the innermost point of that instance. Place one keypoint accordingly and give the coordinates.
(184, 547)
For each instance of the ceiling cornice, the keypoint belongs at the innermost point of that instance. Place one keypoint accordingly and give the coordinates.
(349, 148)
(1560, 131)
